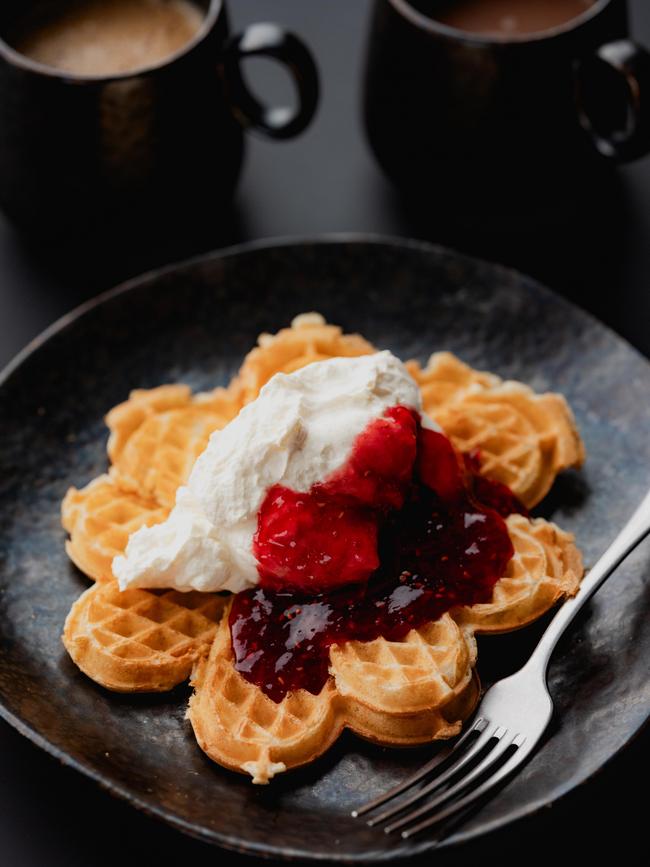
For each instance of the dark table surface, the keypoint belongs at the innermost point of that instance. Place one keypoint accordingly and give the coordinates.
(326, 181)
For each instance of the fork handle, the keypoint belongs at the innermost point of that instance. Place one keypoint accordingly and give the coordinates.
(635, 531)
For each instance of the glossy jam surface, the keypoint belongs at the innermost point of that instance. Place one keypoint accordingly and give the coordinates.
(409, 527)
(327, 537)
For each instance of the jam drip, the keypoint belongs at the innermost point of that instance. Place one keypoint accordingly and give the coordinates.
(408, 526)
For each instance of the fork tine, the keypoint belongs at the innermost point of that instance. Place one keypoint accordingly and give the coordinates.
(486, 786)
(479, 727)
(461, 785)
(453, 770)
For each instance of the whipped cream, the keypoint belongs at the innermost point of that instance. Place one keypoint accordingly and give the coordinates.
(299, 430)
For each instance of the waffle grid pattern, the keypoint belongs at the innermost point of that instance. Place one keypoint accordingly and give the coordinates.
(446, 379)
(100, 519)
(153, 450)
(128, 639)
(308, 339)
(140, 623)
(545, 567)
(505, 440)
(415, 673)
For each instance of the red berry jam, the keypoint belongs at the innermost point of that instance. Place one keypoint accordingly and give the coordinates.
(406, 530)
(327, 537)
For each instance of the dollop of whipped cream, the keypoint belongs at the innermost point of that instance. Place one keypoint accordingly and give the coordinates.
(299, 430)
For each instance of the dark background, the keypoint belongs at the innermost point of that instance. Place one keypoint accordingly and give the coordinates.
(327, 181)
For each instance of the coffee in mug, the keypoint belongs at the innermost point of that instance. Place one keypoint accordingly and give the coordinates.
(506, 17)
(519, 105)
(146, 134)
(107, 37)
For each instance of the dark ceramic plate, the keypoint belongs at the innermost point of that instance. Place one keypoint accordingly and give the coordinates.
(193, 323)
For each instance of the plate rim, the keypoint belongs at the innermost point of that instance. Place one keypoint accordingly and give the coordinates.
(217, 838)
(276, 241)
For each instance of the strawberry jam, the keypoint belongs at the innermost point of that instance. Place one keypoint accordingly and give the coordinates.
(327, 537)
(406, 530)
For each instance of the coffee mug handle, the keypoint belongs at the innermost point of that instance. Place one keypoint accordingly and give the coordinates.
(270, 40)
(615, 83)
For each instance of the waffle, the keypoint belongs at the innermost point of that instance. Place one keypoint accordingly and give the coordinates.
(545, 567)
(308, 339)
(156, 436)
(244, 730)
(139, 640)
(99, 519)
(446, 379)
(523, 439)
(396, 693)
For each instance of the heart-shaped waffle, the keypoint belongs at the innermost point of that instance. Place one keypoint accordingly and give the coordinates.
(100, 518)
(139, 640)
(523, 439)
(546, 566)
(157, 435)
(431, 670)
(308, 339)
(446, 379)
(396, 693)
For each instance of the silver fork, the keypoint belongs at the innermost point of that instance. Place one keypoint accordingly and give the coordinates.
(509, 722)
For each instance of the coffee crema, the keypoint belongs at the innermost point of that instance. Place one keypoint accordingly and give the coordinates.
(506, 17)
(108, 37)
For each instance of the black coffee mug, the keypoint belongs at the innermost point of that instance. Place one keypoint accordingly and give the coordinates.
(487, 120)
(161, 143)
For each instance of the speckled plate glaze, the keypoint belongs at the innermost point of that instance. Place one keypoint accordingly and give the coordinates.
(193, 323)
